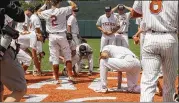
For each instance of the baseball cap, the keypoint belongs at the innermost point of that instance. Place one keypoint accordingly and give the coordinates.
(31, 9)
(82, 48)
(107, 8)
(120, 7)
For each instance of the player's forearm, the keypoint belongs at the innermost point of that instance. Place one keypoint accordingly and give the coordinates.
(116, 29)
(91, 63)
(25, 28)
(35, 59)
(99, 28)
(69, 29)
(138, 32)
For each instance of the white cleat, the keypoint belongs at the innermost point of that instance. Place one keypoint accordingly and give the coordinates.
(103, 89)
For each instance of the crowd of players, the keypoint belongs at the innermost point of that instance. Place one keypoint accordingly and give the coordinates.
(68, 47)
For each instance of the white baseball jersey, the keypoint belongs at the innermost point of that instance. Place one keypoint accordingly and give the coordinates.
(56, 19)
(74, 24)
(118, 51)
(28, 41)
(35, 22)
(19, 26)
(107, 24)
(123, 21)
(161, 20)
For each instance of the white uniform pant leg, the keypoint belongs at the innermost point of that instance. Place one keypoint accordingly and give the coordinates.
(90, 62)
(77, 66)
(142, 36)
(122, 40)
(107, 40)
(54, 49)
(24, 58)
(76, 39)
(75, 59)
(129, 65)
(154, 52)
(169, 55)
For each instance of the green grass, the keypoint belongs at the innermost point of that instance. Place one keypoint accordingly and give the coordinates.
(95, 44)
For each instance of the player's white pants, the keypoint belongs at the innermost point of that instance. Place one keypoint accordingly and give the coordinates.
(142, 36)
(107, 40)
(130, 65)
(90, 63)
(159, 49)
(24, 57)
(76, 39)
(122, 40)
(58, 42)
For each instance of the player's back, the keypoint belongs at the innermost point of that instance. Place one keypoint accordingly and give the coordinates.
(118, 51)
(162, 16)
(56, 19)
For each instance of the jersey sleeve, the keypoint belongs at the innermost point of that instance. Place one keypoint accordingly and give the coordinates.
(36, 23)
(137, 6)
(106, 48)
(43, 15)
(66, 10)
(99, 21)
(70, 20)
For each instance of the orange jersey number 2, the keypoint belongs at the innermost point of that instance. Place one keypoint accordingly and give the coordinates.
(156, 6)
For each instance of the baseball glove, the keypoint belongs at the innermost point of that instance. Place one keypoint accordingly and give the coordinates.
(69, 36)
(136, 39)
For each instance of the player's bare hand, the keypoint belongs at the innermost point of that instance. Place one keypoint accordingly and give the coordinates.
(136, 39)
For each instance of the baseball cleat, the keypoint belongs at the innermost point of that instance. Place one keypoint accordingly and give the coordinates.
(103, 89)
(36, 73)
(176, 97)
(90, 73)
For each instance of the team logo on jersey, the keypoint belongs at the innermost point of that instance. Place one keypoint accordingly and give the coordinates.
(108, 24)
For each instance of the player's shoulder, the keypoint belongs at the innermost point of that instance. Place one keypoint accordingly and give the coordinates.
(103, 16)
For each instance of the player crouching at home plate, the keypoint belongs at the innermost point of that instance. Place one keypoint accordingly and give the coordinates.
(84, 52)
(123, 60)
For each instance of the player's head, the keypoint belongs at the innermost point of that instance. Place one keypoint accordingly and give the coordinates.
(37, 7)
(108, 11)
(104, 54)
(120, 9)
(83, 50)
(56, 3)
(40, 37)
(29, 11)
(75, 11)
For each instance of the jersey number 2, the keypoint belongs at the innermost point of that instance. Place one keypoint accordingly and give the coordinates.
(155, 3)
(54, 19)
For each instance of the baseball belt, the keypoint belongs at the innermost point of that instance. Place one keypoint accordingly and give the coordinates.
(122, 32)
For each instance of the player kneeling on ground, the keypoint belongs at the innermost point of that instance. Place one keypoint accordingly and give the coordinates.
(84, 52)
(123, 60)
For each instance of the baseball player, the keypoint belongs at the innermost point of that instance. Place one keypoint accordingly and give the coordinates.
(72, 26)
(35, 26)
(84, 52)
(121, 59)
(160, 46)
(56, 27)
(25, 56)
(122, 34)
(12, 75)
(108, 25)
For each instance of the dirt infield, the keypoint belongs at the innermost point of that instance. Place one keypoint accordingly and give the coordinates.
(41, 89)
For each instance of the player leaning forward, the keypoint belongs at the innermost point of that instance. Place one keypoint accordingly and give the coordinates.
(56, 27)
(123, 60)
(160, 46)
(108, 25)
